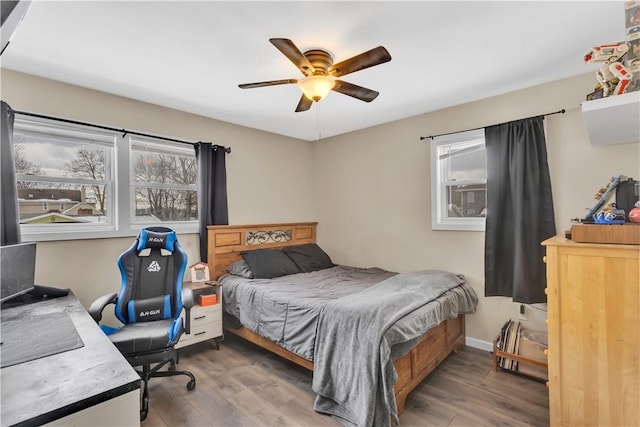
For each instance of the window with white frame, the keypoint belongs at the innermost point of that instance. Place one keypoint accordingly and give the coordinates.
(163, 182)
(459, 181)
(64, 176)
(77, 181)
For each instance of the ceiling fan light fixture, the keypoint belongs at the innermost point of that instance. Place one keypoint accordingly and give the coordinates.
(316, 87)
(321, 74)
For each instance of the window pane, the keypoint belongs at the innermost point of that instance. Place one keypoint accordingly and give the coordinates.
(163, 179)
(468, 164)
(163, 168)
(466, 200)
(157, 204)
(51, 202)
(464, 175)
(59, 157)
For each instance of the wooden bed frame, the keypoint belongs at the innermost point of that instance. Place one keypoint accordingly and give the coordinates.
(224, 247)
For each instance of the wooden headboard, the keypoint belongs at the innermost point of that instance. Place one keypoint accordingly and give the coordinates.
(225, 242)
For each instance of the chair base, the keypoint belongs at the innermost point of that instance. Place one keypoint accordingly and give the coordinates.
(149, 372)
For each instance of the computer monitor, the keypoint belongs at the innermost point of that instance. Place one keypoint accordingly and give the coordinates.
(17, 269)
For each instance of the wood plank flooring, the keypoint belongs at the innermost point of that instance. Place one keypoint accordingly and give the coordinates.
(243, 385)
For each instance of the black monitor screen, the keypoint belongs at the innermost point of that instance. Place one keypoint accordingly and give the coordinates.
(17, 269)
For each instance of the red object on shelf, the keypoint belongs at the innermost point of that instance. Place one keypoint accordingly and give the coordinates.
(206, 300)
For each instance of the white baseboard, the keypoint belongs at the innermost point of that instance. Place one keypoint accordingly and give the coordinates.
(482, 345)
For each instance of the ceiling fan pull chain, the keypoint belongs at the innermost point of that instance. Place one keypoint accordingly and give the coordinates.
(318, 120)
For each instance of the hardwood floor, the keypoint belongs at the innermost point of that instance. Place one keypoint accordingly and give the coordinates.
(243, 385)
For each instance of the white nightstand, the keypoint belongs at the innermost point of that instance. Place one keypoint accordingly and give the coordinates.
(206, 322)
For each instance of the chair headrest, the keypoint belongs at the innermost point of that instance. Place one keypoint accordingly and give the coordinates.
(156, 238)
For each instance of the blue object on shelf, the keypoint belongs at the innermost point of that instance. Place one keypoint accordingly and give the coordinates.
(613, 216)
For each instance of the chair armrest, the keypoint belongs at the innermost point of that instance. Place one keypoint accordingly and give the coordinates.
(187, 298)
(187, 302)
(98, 305)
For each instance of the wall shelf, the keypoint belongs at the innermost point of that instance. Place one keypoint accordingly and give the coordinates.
(614, 119)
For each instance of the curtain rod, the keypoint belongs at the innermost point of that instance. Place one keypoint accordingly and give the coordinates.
(124, 131)
(451, 133)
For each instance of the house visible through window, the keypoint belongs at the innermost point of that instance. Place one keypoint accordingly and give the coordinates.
(70, 186)
(458, 181)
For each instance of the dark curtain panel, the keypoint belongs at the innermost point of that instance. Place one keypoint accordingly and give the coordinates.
(519, 210)
(212, 190)
(9, 216)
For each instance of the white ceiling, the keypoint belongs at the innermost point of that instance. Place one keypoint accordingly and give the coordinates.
(191, 56)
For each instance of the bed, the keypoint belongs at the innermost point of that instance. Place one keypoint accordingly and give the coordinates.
(410, 355)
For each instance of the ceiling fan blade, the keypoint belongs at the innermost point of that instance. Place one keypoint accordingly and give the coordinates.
(359, 92)
(291, 51)
(375, 56)
(304, 104)
(269, 83)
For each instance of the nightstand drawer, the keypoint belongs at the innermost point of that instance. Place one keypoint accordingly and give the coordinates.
(201, 333)
(201, 315)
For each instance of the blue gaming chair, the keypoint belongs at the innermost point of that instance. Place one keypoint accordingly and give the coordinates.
(149, 304)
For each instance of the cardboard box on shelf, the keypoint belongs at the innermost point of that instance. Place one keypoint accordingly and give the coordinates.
(206, 300)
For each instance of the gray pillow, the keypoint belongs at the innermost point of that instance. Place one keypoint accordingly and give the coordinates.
(309, 257)
(240, 268)
(269, 263)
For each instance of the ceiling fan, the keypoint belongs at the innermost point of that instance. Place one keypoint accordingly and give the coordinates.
(320, 73)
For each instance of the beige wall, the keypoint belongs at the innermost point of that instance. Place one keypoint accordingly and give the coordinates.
(369, 189)
(268, 176)
(372, 189)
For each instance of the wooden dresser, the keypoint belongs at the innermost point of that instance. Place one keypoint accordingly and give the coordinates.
(593, 295)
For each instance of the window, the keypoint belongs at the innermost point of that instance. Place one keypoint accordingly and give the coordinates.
(458, 181)
(70, 186)
(163, 181)
(64, 177)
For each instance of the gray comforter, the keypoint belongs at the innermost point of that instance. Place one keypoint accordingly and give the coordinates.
(354, 374)
(286, 309)
(351, 322)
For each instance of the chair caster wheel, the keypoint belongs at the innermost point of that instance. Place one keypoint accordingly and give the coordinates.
(191, 385)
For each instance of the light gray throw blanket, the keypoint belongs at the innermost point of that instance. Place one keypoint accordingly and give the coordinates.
(354, 374)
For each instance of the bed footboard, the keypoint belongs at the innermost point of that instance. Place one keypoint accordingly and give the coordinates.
(414, 367)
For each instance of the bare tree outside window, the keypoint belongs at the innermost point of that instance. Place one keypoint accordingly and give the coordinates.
(24, 166)
(90, 164)
(163, 184)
